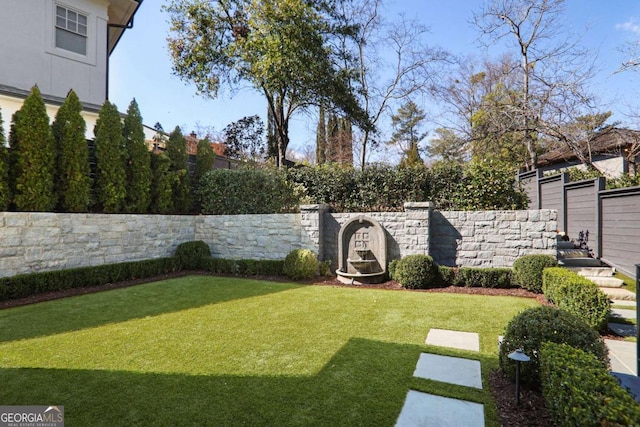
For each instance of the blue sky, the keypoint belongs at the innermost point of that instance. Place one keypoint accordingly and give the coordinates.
(140, 66)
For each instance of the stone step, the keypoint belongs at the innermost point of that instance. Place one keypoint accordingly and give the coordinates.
(580, 262)
(630, 304)
(562, 244)
(619, 294)
(593, 271)
(607, 282)
(622, 313)
(573, 253)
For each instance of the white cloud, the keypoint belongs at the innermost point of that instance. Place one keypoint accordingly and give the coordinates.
(630, 25)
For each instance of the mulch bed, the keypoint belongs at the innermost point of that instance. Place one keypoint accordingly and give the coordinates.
(530, 413)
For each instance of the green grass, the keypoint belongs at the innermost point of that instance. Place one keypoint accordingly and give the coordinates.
(202, 350)
(630, 284)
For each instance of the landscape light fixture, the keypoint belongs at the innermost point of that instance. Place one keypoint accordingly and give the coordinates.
(519, 357)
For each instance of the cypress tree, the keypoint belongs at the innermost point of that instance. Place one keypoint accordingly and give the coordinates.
(138, 162)
(177, 153)
(205, 159)
(33, 161)
(73, 181)
(321, 138)
(110, 187)
(162, 184)
(5, 193)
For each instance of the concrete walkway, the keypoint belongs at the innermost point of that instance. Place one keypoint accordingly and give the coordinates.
(424, 409)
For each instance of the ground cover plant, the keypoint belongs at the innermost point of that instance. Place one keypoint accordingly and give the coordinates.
(203, 350)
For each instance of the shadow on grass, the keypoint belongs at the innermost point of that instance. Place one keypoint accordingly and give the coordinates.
(365, 383)
(118, 305)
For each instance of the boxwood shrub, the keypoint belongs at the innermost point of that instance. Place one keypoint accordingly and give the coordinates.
(527, 270)
(484, 277)
(417, 272)
(577, 295)
(300, 264)
(579, 390)
(531, 328)
(193, 255)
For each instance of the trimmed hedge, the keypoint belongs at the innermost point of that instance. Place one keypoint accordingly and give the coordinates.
(577, 295)
(531, 328)
(580, 391)
(37, 283)
(193, 255)
(527, 270)
(417, 272)
(484, 277)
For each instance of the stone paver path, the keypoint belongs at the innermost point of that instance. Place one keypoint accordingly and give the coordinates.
(424, 409)
(452, 370)
(454, 339)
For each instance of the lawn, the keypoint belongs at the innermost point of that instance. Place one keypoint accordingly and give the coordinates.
(204, 350)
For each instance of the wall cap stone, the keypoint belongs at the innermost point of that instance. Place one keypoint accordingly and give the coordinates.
(418, 206)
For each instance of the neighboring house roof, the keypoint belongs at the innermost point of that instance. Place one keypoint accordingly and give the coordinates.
(121, 14)
(609, 141)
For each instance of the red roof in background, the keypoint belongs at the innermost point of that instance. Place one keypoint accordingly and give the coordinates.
(192, 145)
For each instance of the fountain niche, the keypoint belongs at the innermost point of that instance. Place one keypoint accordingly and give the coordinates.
(362, 251)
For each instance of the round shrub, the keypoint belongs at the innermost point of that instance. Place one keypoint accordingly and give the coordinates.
(531, 328)
(527, 271)
(300, 264)
(417, 272)
(193, 255)
(391, 269)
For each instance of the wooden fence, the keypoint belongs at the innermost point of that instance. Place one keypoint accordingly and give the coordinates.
(611, 217)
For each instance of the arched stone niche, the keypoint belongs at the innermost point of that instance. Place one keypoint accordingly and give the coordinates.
(362, 251)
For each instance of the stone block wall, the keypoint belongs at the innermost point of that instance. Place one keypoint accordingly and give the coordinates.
(491, 238)
(32, 242)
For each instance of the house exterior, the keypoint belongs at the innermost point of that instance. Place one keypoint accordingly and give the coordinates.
(60, 45)
(614, 152)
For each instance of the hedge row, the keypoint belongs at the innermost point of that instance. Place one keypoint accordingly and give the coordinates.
(580, 391)
(577, 295)
(421, 272)
(37, 283)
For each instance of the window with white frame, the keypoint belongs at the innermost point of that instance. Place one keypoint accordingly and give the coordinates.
(71, 30)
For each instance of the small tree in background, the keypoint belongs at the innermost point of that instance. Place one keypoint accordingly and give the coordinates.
(73, 183)
(110, 171)
(33, 164)
(177, 153)
(407, 133)
(137, 162)
(162, 184)
(5, 193)
(205, 158)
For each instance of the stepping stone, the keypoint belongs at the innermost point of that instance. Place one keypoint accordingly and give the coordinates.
(619, 294)
(626, 303)
(454, 339)
(622, 355)
(624, 313)
(451, 370)
(623, 330)
(423, 409)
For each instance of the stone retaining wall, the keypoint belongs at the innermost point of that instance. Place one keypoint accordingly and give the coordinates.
(32, 242)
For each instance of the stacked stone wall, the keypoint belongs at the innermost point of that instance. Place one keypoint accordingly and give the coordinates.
(32, 242)
(491, 238)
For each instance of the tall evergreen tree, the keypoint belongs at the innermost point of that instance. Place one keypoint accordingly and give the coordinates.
(162, 184)
(177, 153)
(110, 170)
(205, 159)
(73, 181)
(5, 193)
(407, 133)
(321, 138)
(34, 161)
(137, 162)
